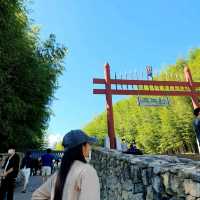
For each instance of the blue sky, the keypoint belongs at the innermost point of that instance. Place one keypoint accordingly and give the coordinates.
(128, 34)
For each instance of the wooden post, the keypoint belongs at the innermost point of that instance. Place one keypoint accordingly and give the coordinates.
(109, 108)
(195, 102)
(188, 78)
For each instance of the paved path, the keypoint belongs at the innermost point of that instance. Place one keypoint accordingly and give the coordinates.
(34, 183)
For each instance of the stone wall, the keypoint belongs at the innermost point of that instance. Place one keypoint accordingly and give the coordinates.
(147, 177)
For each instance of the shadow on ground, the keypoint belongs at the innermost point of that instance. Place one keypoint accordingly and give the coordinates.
(34, 183)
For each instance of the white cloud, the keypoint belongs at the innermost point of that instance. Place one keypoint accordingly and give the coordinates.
(53, 139)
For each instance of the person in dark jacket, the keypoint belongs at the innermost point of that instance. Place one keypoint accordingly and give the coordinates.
(10, 171)
(26, 169)
(196, 125)
(133, 149)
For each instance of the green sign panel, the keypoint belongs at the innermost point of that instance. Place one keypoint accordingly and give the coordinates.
(144, 101)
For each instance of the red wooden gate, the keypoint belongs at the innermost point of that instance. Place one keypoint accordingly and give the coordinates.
(190, 89)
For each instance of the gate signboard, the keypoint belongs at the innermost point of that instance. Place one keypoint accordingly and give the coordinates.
(144, 101)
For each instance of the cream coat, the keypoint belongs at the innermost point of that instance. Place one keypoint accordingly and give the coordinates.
(82, 183)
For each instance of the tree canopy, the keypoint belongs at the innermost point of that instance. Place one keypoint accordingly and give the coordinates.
(29, 69)
(156, 129)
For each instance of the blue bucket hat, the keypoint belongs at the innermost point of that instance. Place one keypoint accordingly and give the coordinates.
(75, 138)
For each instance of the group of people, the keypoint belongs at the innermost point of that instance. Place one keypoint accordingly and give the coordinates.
(75, 179)
(132, 148)
(122, 146)
(27, 166)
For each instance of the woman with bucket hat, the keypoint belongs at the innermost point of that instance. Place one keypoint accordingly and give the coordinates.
(75, 180)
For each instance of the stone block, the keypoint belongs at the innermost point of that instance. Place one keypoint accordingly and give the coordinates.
(157, 184)
(176, 184)
(128, 186)
(138, 196)
(149, 194)
(189, 197)
(135, 174)
(146, 176)
(138, 188)
(192, 188)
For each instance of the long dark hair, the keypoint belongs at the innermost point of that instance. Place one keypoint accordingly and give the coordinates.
(68, 159)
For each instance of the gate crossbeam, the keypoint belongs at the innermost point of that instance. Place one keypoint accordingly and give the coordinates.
(148, 92)
(147, 83)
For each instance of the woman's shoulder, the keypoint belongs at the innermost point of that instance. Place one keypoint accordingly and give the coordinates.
(88, 169)
(86, 175)
(85, 167)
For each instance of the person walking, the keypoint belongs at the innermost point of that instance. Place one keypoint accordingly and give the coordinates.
(124, 145)
(26, 169)
(75, 180)
(196, 125)
(47, 164)
(10, 171)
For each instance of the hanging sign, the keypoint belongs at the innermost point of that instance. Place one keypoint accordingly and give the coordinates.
(144, 101)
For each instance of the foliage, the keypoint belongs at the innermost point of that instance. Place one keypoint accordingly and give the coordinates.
(59, 146)
(29, 70)
(156, 129)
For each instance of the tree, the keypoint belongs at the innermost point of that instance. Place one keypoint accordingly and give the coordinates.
(59, 146)
(29, 69)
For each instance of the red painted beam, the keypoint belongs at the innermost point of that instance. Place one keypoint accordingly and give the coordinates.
(148, 92)
(148, 83)
(99, 81)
